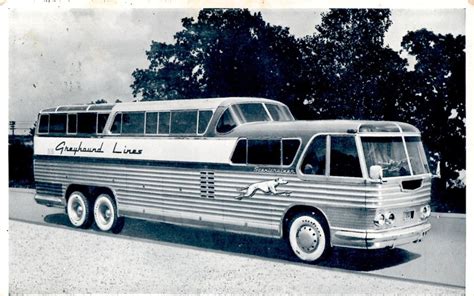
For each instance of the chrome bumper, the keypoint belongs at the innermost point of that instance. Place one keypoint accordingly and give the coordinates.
(50, 201)
(377, 239)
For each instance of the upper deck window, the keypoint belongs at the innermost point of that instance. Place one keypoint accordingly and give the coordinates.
(86, 123)
(133, 122)
(226, 122)
(151, 123)
(72, 123)
(279, 113)
(57, 123)
(251, 112)
(43, 124)
(204, 118)
(183, 122)
(101, 121)
(164, 123)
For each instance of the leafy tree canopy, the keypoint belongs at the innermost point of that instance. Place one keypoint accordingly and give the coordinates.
(224, 52)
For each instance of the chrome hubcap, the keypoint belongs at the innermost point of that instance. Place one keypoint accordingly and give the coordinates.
(105, 213)
(307, 238)
(77, 209)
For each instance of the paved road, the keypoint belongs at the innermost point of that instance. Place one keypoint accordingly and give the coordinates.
(439, 259)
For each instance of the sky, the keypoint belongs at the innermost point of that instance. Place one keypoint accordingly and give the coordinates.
(74, 56)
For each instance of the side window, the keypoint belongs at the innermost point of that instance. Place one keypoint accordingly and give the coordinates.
(43, 124)
(204, 118)
(314, 162)
(57, 123)
(72, 123)
(264, 152)
(240, 152)
(101, 120)
(226, 122)
(344, 158)
(151, 123)
(183, 122)
(290, 148)
(117, 124)
(87, 123)
(251, 112)
(164, 123)
(133, 122)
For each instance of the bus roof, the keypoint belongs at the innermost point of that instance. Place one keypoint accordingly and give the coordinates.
(311, 127)
(201, 104)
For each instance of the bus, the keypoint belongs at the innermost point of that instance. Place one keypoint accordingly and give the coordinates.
(235, 164)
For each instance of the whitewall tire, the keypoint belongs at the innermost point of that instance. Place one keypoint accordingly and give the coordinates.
(78, 210)
(308, 237)
(105, 214)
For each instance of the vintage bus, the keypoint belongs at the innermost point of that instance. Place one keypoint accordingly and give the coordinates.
(236, 164)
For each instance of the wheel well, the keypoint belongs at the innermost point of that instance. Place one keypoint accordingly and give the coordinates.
(295, 210)
(91, 192)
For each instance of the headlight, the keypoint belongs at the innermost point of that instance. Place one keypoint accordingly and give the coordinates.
(379, 220)
(390, 218)
(425, 211)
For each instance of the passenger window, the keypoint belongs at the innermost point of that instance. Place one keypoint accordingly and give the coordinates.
(164, 123)
(226, 122)
(251, 112)
(314, 162)
(290, 147)
(264, 152)
(344, 157)
(117, 124)
(101, 121)
(57, 123)
(72, 123)
(183, 122)
(151, 122)
(43, 124)
(87, 123)
(278, 113)
(133, 123)
(240, 152)
(204, 118)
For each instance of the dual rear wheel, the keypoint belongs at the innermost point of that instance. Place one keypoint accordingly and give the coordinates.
(103, 212)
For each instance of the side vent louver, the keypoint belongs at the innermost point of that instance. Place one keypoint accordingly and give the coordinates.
(207, 184)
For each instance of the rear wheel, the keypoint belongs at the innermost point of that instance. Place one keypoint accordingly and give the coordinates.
(105, 214)
(79, 210)
(308, 237)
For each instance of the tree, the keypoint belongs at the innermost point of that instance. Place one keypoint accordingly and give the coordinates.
(349, 71)
(435, 96)
(225, 52)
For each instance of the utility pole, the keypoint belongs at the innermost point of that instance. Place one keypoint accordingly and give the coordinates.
(12, 127)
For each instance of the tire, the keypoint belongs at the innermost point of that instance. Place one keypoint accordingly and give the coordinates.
(308, 237)
(105, 214)
(79, 210)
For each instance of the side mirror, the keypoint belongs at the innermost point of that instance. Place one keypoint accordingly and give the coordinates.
(376, 172)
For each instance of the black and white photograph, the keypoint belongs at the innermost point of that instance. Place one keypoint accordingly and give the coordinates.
(234, 149)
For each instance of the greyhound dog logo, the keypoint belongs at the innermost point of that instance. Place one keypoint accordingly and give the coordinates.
(267, 187)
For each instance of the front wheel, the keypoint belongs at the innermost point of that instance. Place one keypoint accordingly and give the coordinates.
(105, 214)
(308, 237)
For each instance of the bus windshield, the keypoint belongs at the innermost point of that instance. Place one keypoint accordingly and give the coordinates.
(389, 153)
